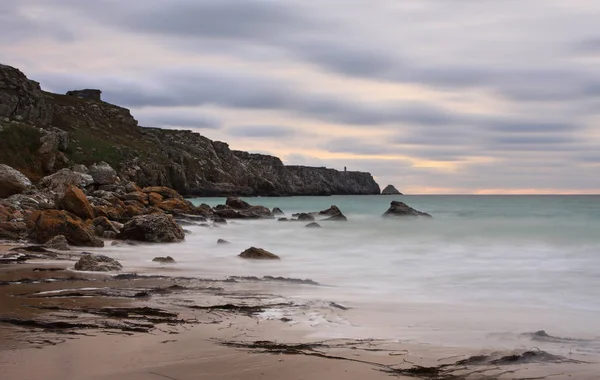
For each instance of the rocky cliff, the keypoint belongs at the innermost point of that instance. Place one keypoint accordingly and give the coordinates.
(42, 132)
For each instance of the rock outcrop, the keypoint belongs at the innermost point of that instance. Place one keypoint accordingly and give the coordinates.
(154, 228)
(103, 174)
(47, 224)
(401, 209)
(258, 254)
(390, 190)
(12, 181)
(186, 161)
(58, 242)
(97, 263)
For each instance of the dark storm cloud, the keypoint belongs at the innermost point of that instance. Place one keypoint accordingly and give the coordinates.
(261, 131)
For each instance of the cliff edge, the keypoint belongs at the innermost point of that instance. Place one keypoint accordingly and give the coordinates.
(42, 132)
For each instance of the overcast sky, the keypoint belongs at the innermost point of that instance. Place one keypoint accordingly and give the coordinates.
(433, 96)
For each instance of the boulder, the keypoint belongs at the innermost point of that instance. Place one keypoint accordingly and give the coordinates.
(258, 254)
(97, 263)
(390, 190)
(283, 220)
(60, 181)
(103, 174)
(304, 217)
(164, 260)
(52, 142)
(176, 206)
(237, 204)
(222, 241)
(313, 225)
(75, 201)
(165, 192)
(277, 212)
(58, 242)
(402, 209)
(331, 211)
(47, 224)
(154, 198)
(12, 181)
(219, 220)
(156, 228)
(79, 168)
(105, 228)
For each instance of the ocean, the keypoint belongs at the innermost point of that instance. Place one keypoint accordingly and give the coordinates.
(481, 273)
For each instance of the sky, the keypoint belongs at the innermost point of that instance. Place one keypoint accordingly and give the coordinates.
(432, 96)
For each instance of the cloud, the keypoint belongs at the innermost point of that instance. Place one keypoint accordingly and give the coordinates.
(261, 131)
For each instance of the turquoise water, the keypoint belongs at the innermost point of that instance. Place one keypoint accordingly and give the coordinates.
(483, 264)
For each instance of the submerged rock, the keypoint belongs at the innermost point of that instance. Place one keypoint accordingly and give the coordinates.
(277, 212)
(222, 241)
(313, 225)
(402, 209)
(304, 217)
(336, 218)
(97, 263)
(258, 254)
(390, 190)
(12, 181)
(237, 204)
(155, 228)
(164, 260)
(58, 242)
(331, 211)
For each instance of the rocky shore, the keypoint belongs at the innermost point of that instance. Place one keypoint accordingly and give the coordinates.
(41, 133)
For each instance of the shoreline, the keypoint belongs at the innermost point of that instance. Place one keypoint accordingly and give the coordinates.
(192, 328)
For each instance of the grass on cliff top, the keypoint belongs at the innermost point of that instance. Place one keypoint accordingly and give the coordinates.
(19, 144)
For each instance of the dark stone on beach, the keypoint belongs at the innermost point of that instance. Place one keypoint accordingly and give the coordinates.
(222, 241)
(390, 190)
(313, 225)
(44, 225)
(155, 228)
(124, 242)
(58, 242)
(218, 220)
(277, 212)
(258, 254)
(164, 260)
(401, 209)
(97, 263)
(283, 220)
(304, 217)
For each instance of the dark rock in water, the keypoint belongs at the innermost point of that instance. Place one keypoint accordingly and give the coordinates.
(124, 242)
(155, 228)
(283, 220)
(304, 217)
(313, 225)
(164, 260)
(187, 232)
(277, 212)
(222, 241)
(12, 181)
(402, 209)
(89, 94)
(390, 190)
(218, 220)
(97, 263)
(237, 204)
(331, 211)
(251, 212)
(58, 242)
(336, 218)
(258, 254)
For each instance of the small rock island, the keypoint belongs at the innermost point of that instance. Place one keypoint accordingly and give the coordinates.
(390, 190)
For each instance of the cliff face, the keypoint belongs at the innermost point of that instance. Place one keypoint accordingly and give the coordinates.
(184, 160)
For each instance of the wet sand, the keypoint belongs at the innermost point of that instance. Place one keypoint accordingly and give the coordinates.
(60, 324)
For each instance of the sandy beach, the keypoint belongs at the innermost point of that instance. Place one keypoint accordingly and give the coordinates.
(56, 323)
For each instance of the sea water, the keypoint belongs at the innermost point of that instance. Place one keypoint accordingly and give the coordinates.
(482, 267)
